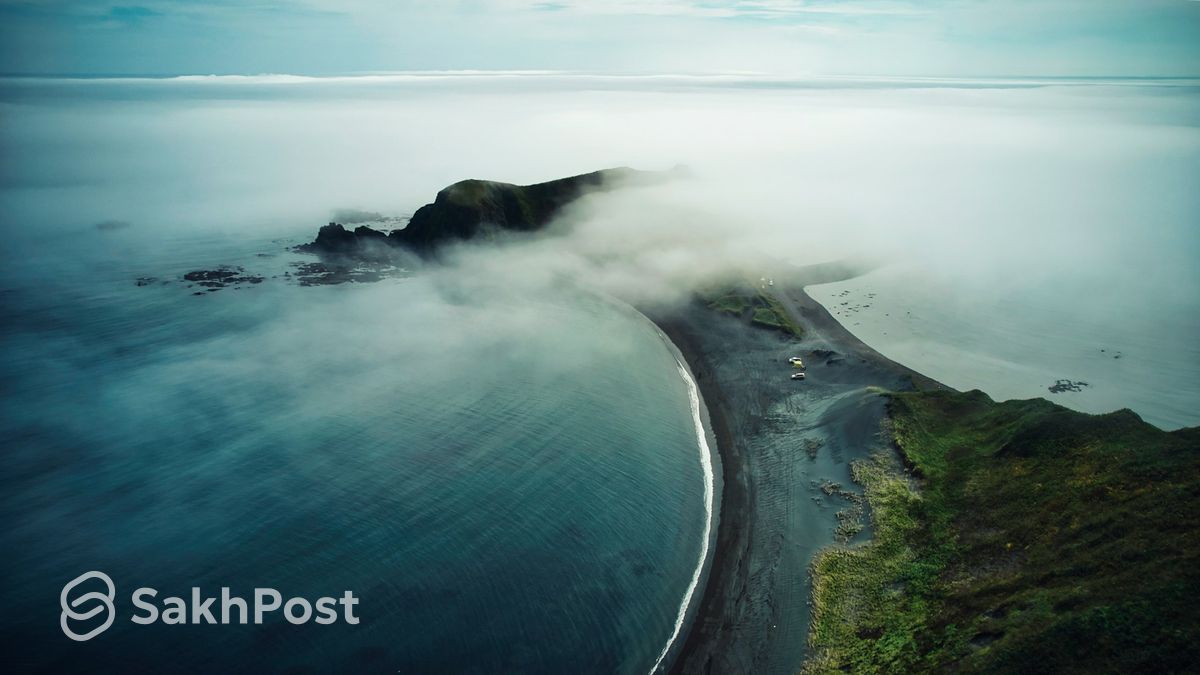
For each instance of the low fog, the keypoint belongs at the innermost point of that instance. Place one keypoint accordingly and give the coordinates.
(984, 185)
(1082, 195)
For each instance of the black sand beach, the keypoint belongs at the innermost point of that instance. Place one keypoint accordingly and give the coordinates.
(785, 450)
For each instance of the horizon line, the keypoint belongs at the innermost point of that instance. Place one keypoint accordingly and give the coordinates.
(522, 72)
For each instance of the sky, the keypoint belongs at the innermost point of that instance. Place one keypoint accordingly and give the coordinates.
(789, 37)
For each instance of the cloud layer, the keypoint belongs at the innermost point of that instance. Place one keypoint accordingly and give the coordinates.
(939, 37)
(1008, 182)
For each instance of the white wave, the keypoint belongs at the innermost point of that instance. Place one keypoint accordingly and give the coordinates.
(706, 464)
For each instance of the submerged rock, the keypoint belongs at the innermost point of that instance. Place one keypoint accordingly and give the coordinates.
(340, 271)
(1061, 386)
(111, 225)
(221, 277)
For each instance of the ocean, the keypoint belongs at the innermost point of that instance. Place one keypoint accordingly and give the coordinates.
(506, 484)
(1095, 352)
(500, 463)
(505, 473)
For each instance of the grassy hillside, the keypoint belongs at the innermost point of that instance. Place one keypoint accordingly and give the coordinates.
(745, 301)
(479, 209)
(1019, 537)
(472, 209)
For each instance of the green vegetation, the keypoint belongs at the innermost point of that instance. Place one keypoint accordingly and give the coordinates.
(765, 316)
(1023, 538)
(471, 192)
(763, 309)
(850, 520)
(729, 302)
(472, 209)
(770, 313)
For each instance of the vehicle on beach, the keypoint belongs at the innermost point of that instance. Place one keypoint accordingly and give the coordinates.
(797, 376)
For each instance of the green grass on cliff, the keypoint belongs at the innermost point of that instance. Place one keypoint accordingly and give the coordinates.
(728, 302)
(761, 307)
(1021, 538)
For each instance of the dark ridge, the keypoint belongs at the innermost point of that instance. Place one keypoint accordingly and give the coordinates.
(474, 209)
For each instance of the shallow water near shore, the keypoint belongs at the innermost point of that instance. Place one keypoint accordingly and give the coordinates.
(497, 494)
(1140, 352)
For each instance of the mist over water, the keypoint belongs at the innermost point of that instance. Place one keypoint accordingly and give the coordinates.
(464, 458)
(490, 432)
(984, 182)
(1120, 350)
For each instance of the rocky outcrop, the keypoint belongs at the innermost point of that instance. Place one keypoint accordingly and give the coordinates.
(475, 209)
(335, 239)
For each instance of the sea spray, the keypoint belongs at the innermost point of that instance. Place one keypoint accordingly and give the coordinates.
(706, 464)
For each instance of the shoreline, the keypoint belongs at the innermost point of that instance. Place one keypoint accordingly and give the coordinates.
(711, 442)
(813, 315)
(707, 631)
(712, 463)
(732, 500)
(1044, 348)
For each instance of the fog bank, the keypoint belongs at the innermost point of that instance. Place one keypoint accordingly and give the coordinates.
(1081, 192)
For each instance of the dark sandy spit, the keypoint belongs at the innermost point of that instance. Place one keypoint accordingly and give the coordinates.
(783, 444)
(784, 448)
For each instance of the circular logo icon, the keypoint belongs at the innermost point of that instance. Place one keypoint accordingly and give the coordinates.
(73, 609)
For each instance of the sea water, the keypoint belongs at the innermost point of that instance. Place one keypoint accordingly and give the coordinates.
(506, 483)
(507, 476)
(1112, 349)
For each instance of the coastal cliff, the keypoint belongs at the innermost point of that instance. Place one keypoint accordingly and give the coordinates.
(480, 209)
(1016, 537)
(944, 532)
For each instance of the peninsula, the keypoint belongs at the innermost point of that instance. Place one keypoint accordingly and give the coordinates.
(874, 520)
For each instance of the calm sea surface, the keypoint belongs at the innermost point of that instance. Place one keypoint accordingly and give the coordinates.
(506, 483)
(1113, 349)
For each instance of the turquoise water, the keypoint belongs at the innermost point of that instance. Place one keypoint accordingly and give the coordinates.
(507, 482)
